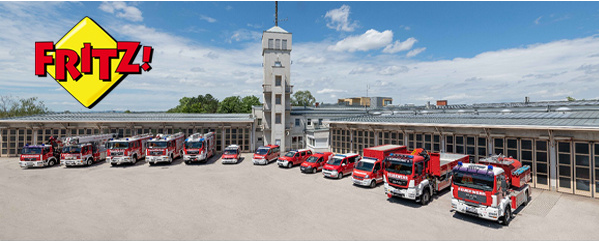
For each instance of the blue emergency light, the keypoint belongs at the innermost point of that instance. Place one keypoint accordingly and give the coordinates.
(460, 164)
(490, 167)
(127, 139)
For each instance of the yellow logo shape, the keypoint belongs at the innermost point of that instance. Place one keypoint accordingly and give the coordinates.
(89, 89)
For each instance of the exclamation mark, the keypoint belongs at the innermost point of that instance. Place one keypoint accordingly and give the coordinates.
(147, 58)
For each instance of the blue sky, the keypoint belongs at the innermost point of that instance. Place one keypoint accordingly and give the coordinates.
(415, 52)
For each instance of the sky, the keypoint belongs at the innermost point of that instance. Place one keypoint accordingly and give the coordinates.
(414, 52)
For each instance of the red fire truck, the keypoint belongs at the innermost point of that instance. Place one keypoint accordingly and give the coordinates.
(419, 175)
(199, 147)
(41, 155)
(369, 171)
(340, 165)
(84, 150)
(127, 150)
(491, 189)
(315, 162)
(165, 148)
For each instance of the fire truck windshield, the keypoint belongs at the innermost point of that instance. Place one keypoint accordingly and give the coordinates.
(118, 145)
(230, 152)
(365, 166)
(157, 144)
(312, 159)
(335, 161)
(193, 145)
(262, 151)
(71, 149)
(290, 154)
(398, 167)
(31, 150)
(472, 180)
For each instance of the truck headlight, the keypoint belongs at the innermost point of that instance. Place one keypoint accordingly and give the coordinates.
(366, 176)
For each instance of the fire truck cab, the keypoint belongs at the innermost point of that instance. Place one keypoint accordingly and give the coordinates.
(84, 150)
(40, 155)
(165, 148)
(340, 165)
(315, 162)
(266, 154)
(294, 157)
(231, 154)
(127, 150)
(491, 189)
(199, 147)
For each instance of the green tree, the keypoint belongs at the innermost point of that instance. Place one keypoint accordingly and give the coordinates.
(9, 107)
(248, 102)
(303, 98)
(201, 104)
(231, 104)
(569, 98)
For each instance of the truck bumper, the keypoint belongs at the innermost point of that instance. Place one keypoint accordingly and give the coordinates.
(307, 169)
(332, 174)
(119, 160)
(74, 162)
(201, 157)
(282, 163)
(227, 161)
(26, 164)
(489, 213)
(157, 159)
(363, 182)
(260, 161)
(408, 193)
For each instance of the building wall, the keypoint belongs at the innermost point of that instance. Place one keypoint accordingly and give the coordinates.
(13, 137)
(563, 161)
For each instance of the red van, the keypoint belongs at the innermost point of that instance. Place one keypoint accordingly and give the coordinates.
(340, 165)
(266, 154)
(294, 157)
(315, 162)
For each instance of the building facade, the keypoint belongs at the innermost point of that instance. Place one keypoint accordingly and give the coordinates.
(277, 88)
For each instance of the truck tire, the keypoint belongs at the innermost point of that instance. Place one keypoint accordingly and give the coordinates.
(314, 170)
(289, 164)
(51, 162)
(527, 199)
(89, 162)
(340, 175)
(172, 158)
(134, 159)
(507, 216)
(113, 164)
(426, 197)
(373, 184)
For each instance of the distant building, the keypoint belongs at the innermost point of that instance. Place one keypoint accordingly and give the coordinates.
(373, 102)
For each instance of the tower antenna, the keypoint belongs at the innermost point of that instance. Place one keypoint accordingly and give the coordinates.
(276, 13)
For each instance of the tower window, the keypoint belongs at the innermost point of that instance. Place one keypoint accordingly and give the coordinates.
(278, 44)
(284, 43)
(278, 118)
(277, 80)
(278, 64)
(270, 43)
(278, 99)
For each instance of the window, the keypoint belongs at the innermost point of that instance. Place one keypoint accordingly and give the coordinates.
(278, 44)
(309, 122)
(278, 64)
(284, 43)
(277, 80)
(319, 121)
(270, 43)
(297, 122)
(260, 121)
(278, 118)
(278, 99)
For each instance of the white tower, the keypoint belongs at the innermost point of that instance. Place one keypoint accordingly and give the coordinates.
(277, 88)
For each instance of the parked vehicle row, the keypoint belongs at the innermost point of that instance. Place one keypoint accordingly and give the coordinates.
(491, 189)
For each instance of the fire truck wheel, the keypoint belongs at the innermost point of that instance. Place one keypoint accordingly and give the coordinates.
(113, 164)
(289, 164)
(373, 184)
(171, 160)
(507, 217)
(51, 162)
(425, 198)
(313, 170)
(89, 162)
(340, 175)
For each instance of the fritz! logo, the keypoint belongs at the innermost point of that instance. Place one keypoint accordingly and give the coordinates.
(88, 62)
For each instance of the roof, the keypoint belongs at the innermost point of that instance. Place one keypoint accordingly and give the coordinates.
(232, 147)
(132, 117)
(534, 120)
(277, 29)
(385, 147)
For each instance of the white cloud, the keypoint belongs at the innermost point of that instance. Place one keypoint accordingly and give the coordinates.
(415, 52)
(207, 19)
(244, 34)
(122, 10)
(399, 46)
(393, 70)
(339, 20)
(329, 91)
(538, 20)
(371, 39)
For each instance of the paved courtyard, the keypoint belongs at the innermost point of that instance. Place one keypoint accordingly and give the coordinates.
(243, 201)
